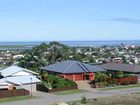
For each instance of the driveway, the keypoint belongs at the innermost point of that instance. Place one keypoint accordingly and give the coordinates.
(47, 98)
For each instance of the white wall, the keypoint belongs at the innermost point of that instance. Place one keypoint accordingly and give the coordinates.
(28, 87)
(4, 85)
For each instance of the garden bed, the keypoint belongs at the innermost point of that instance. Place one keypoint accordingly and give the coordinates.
(41, 87)
(125, 81)
(109, 82)
(55, 83)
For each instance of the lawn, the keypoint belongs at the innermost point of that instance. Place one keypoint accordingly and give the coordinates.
(11, 99)
(133, 99)
(120, 87)
(136, 93)
(74, 91)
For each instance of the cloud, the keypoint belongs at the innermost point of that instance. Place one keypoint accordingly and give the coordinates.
(126, 20)
(116, 19)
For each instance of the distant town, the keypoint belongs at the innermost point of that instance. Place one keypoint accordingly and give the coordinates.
(53, 69)
(128, 54)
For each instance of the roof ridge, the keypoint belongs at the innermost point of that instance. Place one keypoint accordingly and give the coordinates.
(68, 67)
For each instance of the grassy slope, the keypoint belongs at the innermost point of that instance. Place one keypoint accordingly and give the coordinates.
(69, 92)
(133, 99)
(11, 99)
(120, 87)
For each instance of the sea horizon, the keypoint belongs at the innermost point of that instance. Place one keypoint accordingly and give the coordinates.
(75, 43)
(67, 40)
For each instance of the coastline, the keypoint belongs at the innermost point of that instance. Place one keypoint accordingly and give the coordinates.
(75, 43)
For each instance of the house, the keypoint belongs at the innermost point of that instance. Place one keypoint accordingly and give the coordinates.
(130, 68)
(73, 70)
(127, 68)
(117, 60)
(4, 57)
(18, 56)
(19, 82)
(19, 78)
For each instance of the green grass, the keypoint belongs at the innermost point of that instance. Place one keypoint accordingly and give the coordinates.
(75, 91)
(131, 99)
(120, 87)
(11, 99)
(136, 93)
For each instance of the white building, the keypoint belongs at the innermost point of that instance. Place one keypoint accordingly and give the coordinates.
(19, 78)
(18, 56)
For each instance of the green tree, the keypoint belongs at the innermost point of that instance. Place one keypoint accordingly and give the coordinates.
(119, 74)
(100, 77)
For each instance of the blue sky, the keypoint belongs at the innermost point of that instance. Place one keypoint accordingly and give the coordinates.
(48, 20)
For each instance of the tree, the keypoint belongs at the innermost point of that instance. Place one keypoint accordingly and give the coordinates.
(100, 77)
(119, 74)
(44, 54)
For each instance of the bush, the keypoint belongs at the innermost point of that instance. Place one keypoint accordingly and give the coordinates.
(105, 83)
(58, 85)
(112, 81)
(119, 74)
(48, 85)
(58, 82)
(70, 83)
(100, 77)
(84, 100)
(127, 75)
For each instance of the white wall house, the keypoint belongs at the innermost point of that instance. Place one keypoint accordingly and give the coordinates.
(19, 78)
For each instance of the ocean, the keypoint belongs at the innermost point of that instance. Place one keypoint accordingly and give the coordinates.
(75, 43)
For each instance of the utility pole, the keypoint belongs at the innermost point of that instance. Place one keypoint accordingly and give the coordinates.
(31, 86)
(133, 68)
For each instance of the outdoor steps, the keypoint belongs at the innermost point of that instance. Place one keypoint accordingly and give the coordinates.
(84, 85)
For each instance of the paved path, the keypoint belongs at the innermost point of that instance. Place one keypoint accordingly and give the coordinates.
(84, 85)
(46, 98)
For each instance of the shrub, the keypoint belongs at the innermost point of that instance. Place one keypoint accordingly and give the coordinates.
(54, 81)
(100, 77)
(112, 81)
(50, 79)
(48, 85)
(119, 74)
(105, 83)
(70, 83)
(84, 100)
(127, 75)
(58, 85)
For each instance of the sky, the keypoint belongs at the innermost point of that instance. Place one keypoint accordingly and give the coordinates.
(69, 20)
